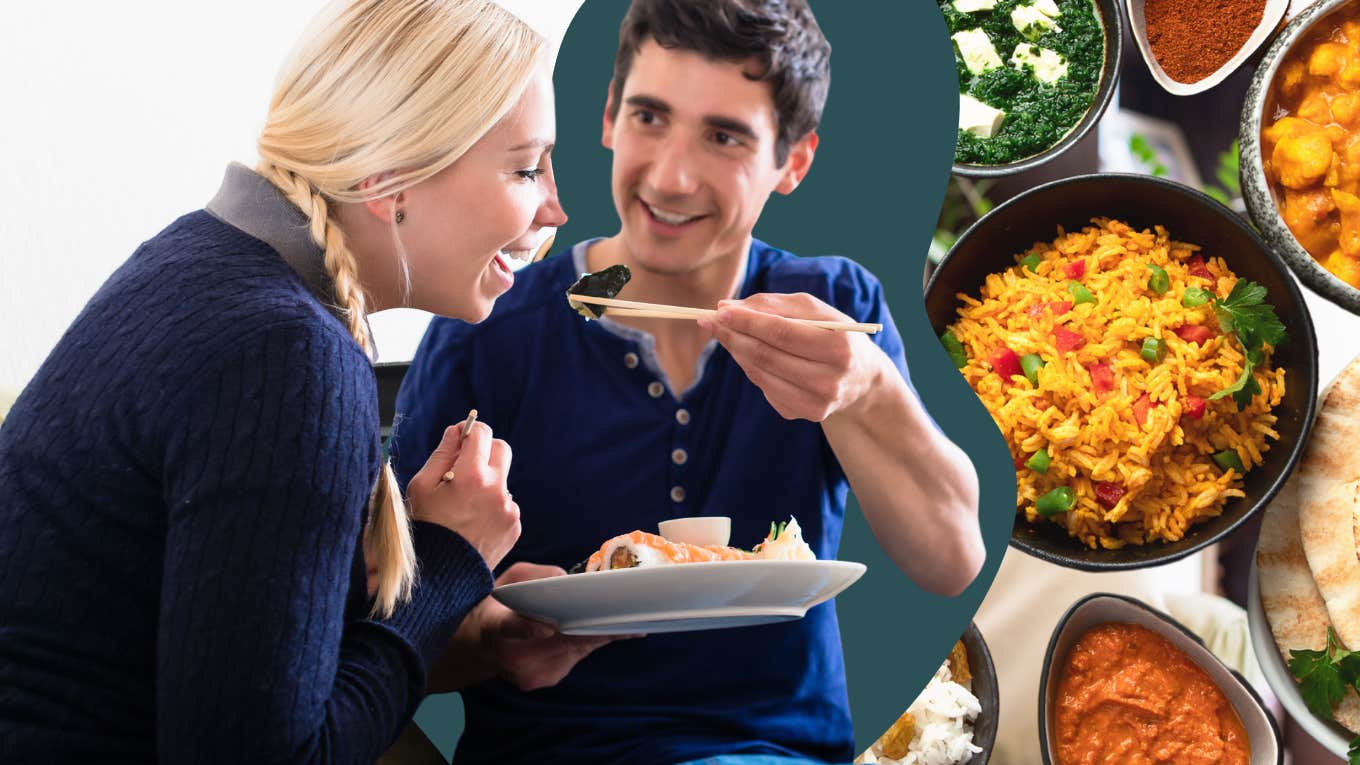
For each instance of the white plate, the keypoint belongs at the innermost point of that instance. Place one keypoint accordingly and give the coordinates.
(680, 598)
(1326, 732)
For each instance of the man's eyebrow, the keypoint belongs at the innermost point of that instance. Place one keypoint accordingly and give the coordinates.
(649, 102)
(730, 125)
(537, 143)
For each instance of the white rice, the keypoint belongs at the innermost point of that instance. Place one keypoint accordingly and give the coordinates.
(944, 714)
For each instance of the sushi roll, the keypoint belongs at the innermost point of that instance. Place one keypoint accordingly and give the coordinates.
(640, 548)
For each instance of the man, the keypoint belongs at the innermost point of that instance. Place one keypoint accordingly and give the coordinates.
(620, 423)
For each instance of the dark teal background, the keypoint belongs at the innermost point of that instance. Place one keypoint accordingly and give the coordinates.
(874, 192)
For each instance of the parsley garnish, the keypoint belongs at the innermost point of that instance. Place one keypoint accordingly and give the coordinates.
(1323, 675)
(1246, 385)
(1323, 679)
(1245, 313)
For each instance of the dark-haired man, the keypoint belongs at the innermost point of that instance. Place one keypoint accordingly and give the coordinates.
(620, 423)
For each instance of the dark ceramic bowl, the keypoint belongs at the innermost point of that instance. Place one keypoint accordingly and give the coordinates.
(1112, 19)
(1257, 191)
(1143, 201)
(1100, 608)
(984, 687)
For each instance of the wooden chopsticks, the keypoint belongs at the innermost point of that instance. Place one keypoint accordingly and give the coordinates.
(659, 311)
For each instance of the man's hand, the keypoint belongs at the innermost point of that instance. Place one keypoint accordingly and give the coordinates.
(525, 652)
(807, 373)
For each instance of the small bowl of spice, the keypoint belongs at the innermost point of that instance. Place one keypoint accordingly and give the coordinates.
(1193, 45)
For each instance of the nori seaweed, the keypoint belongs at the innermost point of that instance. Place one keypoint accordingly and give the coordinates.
(603, 284)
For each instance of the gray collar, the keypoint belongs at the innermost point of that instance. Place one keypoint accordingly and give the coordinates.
(249, 202)
(645, 341)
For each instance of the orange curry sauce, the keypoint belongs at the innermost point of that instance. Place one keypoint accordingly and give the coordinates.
(1310, 142)
(1128, 696)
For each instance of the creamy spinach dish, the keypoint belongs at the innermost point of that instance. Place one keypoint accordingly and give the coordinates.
(1028, 73)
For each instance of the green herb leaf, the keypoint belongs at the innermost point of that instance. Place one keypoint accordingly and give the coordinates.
(1323, 675)
(1319, 681)
(1246, 386)
(1353, 754)
(1245, 312)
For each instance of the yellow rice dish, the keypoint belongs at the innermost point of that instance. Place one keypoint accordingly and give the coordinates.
(1113, 361)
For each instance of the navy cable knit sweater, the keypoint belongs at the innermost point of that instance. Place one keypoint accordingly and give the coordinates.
(182, 491)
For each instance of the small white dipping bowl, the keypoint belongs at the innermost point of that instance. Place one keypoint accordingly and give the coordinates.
(704, 530)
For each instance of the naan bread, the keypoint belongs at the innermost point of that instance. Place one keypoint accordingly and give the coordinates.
(1289, 596)
(1328, 479)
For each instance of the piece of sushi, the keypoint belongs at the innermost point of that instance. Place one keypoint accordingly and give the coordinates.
(604, 284)
(639, 548)
(785, 542)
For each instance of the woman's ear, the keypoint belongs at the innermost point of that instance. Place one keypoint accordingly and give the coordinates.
(382, 208)
(798, 164)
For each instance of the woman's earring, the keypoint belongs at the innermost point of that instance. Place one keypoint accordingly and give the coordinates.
(401, 216)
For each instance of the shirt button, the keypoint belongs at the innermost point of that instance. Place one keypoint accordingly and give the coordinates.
(679, 456)
(655, 389)
(630, 360)
(677, 494)
(682, 416)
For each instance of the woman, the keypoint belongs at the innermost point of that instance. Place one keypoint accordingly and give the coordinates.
(187, 487)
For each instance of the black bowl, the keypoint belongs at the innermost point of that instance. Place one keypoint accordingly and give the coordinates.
(1143, 201)
(984, 687)
(1263, 734)
(1112, 19)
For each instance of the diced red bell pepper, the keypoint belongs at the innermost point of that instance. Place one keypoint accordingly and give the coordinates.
(1076, 269)
(1108, 494)
(1005, 363)
(1140, 409)
(1067, 340)
(1198, 268)
(1194, 407)
(1194, 333)
(1102, 377)
(1020, 461)
(1035, 310)
(1061, 307)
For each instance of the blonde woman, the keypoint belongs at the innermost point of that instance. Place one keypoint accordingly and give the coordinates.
(191, 484)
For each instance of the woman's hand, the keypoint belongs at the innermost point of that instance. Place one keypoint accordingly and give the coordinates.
(475, 502)
(495, 641)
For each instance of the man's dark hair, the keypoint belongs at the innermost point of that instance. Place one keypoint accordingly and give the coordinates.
(781, 35)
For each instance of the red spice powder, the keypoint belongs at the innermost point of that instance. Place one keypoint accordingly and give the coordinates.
(1191, 39)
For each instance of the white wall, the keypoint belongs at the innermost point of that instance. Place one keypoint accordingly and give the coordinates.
(118, 118)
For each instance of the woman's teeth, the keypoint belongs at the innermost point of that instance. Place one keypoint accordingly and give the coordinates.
(670, 218)
(518, 255)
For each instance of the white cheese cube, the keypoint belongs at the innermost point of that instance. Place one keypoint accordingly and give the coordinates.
(1048, 8)
(1032, 22)
(978, 118)
(976, 48)
(973, 6)
(1049, 65)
